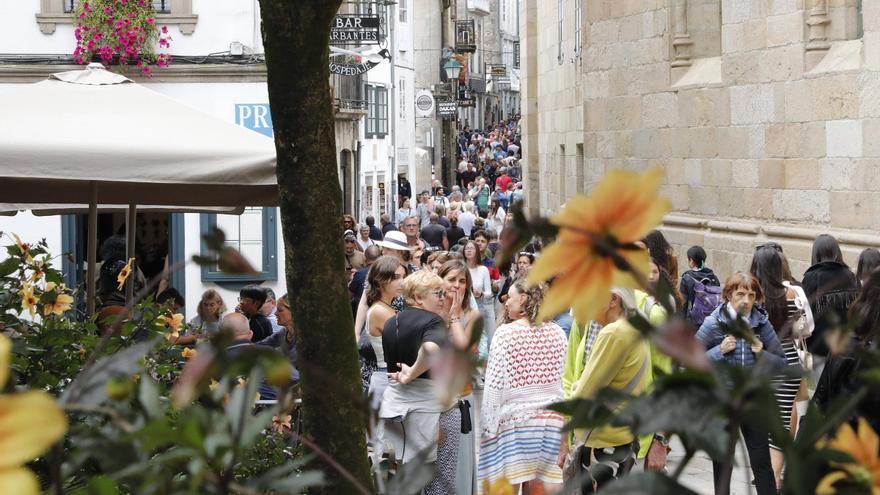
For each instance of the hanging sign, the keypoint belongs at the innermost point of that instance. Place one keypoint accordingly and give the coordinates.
(424, 103)
(465, 39)
(446, 109)
(355, 30)
(356, 68)
(351, 69)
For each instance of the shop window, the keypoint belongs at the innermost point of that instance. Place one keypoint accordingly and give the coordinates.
(253, 234)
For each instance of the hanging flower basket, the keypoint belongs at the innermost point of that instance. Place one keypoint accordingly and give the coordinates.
(120, 32)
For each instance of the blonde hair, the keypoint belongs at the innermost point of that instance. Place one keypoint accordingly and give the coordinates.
(534, 297)
(209, 295)
(419, 284)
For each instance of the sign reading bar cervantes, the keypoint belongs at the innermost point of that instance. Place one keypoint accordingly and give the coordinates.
(424, 103)
(446, 109)
(355, 30)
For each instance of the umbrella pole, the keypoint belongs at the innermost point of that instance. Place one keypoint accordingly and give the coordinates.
(91, 295)
(130, 233)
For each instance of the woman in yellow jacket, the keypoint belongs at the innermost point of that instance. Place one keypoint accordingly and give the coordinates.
(619, 358)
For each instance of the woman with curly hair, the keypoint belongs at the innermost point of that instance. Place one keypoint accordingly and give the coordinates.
(520, 436)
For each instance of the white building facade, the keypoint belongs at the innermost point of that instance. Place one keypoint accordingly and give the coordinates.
(218, 68)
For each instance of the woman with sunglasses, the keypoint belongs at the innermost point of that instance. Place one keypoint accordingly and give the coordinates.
(412, 416)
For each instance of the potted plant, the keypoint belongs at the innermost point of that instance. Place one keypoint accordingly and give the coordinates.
(121, 32)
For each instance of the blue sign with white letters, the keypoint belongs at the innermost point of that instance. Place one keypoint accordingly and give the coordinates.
(254, 116)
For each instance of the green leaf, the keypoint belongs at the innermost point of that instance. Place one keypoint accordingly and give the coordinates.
(148, 396)
(9, 266)
(89, 387)
(255, 425)
(646, 483)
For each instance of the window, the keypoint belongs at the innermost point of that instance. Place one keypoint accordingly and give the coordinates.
(253, 234)
(401, 98)
(377, 111)
(401, 10)
(160, 6)
(577, 26)
(171, 12)
(560, 52)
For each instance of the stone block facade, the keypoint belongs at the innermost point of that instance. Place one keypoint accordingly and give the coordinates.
(765, 115)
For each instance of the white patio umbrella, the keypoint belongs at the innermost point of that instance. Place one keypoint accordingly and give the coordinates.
(94, 137)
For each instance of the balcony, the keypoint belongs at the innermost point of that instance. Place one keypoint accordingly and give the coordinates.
(478, 6)
(349, 102)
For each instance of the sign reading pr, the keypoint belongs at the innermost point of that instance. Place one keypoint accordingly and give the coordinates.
(254, 116)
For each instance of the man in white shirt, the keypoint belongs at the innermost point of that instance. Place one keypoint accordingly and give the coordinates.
(467, 218)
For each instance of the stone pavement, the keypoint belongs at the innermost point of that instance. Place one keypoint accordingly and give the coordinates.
(698, 474)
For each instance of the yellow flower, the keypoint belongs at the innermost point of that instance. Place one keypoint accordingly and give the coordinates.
(188, 352)
(622, 209)
(213, 385)
(30, 423)
(863, 448)
(24, 248)
(499, 487)
(62, 303)
(124, 273)
(28, 300)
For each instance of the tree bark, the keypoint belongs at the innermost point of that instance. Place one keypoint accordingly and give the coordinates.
(296, 35)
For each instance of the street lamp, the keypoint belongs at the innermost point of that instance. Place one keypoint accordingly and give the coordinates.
(452, 68)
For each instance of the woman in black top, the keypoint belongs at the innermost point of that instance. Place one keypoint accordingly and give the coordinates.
(411, 341)
(831, 287)
(841, 376)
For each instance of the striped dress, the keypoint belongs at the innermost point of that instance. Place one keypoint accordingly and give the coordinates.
(787, 389)
(520, 438)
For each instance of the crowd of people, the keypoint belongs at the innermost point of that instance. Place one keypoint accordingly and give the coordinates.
(416, 293)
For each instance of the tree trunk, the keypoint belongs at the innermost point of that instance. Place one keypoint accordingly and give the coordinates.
(296, 34)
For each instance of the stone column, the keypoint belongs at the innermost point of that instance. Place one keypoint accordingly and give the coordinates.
(817, 37)
(681, 40)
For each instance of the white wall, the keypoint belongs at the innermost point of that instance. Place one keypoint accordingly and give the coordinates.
(220, 22)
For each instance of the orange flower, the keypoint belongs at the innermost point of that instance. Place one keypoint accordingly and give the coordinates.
(281, 425)
(28, 300)
(863, 448)
(61, 304)
(23, 248)
(593, 231)
(37, 273)
(124, 273)
(188, 352)
(172, 322)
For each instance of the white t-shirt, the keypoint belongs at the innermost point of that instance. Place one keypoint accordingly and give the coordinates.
(482, 280)
(466, 222)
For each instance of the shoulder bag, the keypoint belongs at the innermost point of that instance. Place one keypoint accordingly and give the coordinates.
(574, 462)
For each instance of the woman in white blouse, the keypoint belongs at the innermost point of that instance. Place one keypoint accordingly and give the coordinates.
(482, 287)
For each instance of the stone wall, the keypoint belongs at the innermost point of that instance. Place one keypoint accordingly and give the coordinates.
(765, 115)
